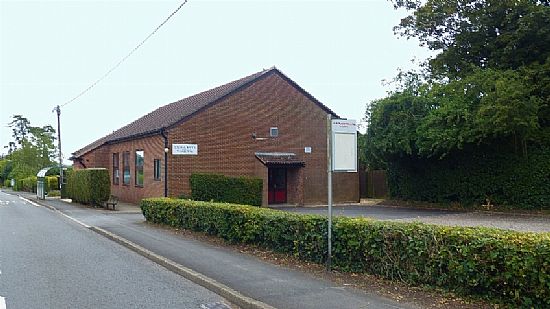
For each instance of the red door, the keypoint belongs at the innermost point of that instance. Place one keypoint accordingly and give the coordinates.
(276, 185)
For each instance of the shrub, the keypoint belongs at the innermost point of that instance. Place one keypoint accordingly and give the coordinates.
(54, 193)
(89, 186)
(506, 265)
(52, 183)
(220, 188)
(7, 183)
(27, 184)
(67, 183)
(471, 176)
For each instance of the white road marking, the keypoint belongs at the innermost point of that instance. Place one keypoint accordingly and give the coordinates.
(30, 202)
(2, 303)
(59, 212)
(75, 220)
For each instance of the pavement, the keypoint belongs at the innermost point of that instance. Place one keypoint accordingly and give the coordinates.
(243, 280)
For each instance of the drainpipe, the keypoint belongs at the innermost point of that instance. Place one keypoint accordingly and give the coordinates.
(163, 133)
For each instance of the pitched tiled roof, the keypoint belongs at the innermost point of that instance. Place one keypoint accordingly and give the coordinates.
(168, 115)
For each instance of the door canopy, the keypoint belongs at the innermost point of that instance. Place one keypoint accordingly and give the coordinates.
(281, 159)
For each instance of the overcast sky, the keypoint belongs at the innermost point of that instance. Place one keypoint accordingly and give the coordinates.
(50, 51)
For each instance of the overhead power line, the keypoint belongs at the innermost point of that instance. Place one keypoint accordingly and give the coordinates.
(125, 57)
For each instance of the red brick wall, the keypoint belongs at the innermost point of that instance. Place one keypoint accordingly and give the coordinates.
(223, 133)
(95, 158)
(153, 148)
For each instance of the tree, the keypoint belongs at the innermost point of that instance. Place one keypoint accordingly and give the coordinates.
(20, 128)
(496, 34)
(36, 148)
(43, 139)
(484, 106)
(499, 35)
(490, 81)
(454, 131)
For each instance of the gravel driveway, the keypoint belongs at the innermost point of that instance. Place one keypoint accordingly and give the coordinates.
(518, 222)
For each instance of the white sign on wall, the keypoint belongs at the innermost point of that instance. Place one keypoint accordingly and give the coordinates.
(185, 149)
(344, 145)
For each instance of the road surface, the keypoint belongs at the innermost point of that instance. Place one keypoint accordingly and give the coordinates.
(50, 261)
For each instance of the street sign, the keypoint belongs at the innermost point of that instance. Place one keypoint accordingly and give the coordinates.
(344, 145)
(341, 157)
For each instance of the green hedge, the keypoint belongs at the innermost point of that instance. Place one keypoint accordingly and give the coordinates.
(52, 183)
(469, 177)
(27, 184)
(220, 188)
(503, 265)
(7, 183)
(54, 193)
(65, 188)
(88, 186)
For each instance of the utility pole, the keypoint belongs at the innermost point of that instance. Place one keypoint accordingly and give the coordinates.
(58, 110)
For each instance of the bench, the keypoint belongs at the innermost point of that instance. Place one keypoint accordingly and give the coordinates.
(113, 200)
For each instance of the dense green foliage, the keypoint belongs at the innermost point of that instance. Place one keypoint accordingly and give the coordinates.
(220, 188)
(31, 150)
(27, 184)
(502, 265)
(89, 186)
(52, 183)
(475, 176)
(54, 193)
(487, 90)
(496, 34)
(67, 180)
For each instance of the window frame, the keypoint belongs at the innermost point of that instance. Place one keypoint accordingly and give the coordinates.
(126, 167)
(274, 132)
(157, 170)
(139, 168)
(116, 168)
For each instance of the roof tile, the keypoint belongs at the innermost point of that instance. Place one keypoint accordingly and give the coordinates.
(168, 115)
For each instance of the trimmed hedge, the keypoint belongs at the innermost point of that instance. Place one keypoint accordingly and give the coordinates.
(471, 176)
(54, 193)
(65, 188)
(27, 184)
(89, 186)
(220, 188)
(503, 265)
(52, 183)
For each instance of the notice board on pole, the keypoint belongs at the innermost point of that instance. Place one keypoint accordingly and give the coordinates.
(344, 145)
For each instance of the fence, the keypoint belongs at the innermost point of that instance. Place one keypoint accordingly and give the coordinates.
(377, 184)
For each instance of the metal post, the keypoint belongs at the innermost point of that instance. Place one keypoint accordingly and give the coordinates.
(165, 172)
(329, 189)
(163, 134)
(58, 110)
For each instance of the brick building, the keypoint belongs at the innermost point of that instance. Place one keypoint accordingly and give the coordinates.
(263, 125)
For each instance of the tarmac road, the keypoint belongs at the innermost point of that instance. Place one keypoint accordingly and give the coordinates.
(273, 285)
(508, 221)
(50, 261)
